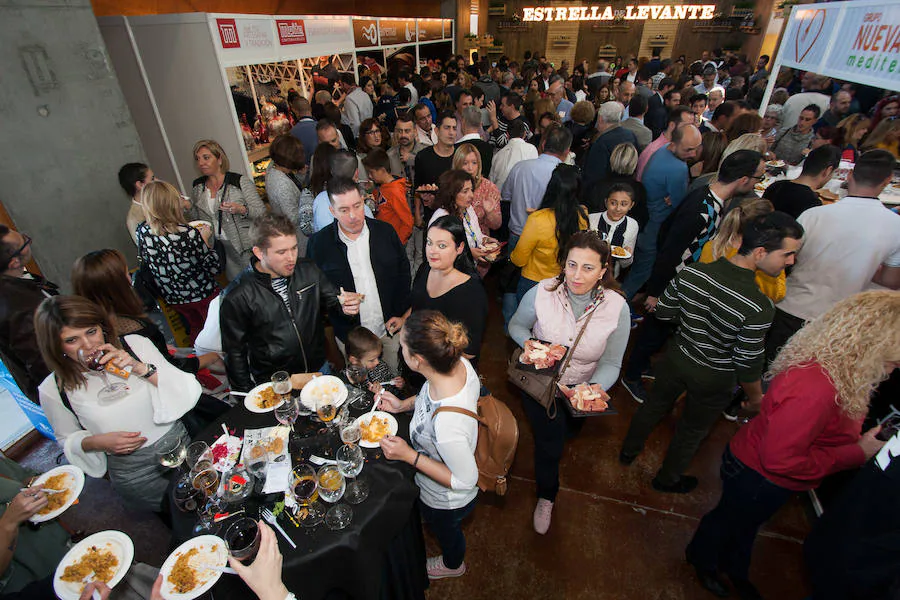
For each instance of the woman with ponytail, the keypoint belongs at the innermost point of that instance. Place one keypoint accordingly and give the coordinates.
(728, 239)
(583, 295)
(443, 445)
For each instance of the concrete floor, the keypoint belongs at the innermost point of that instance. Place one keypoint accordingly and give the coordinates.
(613, 537)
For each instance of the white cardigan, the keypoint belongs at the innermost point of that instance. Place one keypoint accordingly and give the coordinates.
(151, 410)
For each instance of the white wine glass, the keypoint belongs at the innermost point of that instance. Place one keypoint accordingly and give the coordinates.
(332, 486)
(358, 375)
(350, 461)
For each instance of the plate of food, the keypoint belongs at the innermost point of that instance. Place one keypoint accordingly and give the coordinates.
(541, 356)
(69, 480)
(105, 556)
(775, 164)
(827, 195)
(225, 452)
(493, 248)
(320, 386)
(262, 399)
(620, 252)
(193, 568)
(201, 224)
(375, 425)
(586, 397)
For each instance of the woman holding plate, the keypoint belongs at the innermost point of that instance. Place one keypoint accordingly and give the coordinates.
(107, 428)
(582, 301)
(443, 445)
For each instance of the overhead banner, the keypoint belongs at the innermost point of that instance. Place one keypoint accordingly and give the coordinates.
(430, 30)
(397, 31)
(365, 33)
(642, 12)
(291, 31)
(851, 41)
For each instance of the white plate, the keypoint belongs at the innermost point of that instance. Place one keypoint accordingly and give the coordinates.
(392, 426)
(307, 394)
(116, 541)
(77, 476)
(627, 253)
(250, 400)
(206, 555)
(199, 223)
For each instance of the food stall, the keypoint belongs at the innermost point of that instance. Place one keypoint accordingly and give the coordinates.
(188, 77)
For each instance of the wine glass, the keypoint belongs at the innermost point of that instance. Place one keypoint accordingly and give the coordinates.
(331, 489)
(326, 409)
(350, 460)
(358, 375)
(110, 391)
(281, 385)
(305, 488)
(350, 432)
(207, 481)
(187, 498)
(171, 452)
(196, 452)
(287, 413)
(242, 538)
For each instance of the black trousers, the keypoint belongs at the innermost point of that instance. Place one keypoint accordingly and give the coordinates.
(549, 441)
(652, 336)
(784, 325)
(724, 539)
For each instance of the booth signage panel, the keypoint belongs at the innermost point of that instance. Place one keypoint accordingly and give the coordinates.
(397, 31)
(448, 29)
(247, 40)
(642, 12)
(365, 33)
(290, 31)
(430, 29)
(848, 41)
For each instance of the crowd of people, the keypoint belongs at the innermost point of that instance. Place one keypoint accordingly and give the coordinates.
(612, 204)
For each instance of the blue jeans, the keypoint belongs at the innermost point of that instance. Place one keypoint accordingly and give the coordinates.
(724, 539)
(509, 302)
(525, 284)
(446, 525)
(644, 259)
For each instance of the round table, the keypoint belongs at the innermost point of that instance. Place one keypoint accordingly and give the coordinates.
(380, 555)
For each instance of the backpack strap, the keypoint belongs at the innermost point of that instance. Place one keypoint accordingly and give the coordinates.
(128, 349)
(456, 409)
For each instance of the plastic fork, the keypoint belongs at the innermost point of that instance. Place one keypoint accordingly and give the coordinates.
(269, 518)
(88, 579)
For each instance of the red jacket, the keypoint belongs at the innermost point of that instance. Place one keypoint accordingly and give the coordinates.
(393, 208)
(801, 434)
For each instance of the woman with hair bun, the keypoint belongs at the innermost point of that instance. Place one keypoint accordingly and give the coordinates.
(809, 426)
(583, 295)
(443, 445)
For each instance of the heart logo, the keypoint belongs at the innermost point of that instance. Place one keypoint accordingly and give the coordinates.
(808, 32)
(370, 34)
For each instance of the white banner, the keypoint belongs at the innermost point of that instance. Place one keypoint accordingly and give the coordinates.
(851, 41)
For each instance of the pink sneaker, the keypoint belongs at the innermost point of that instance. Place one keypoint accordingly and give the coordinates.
(437, 570)
(542, 513)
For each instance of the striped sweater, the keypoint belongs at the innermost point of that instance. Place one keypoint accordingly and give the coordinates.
(722, 317)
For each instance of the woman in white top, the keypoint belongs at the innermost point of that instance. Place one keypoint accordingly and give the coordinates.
(115, 436)
(443, 446)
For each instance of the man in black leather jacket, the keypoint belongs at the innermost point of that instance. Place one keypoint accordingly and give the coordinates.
(271, 314)
(20, 294)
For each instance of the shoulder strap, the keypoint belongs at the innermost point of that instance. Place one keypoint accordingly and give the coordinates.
(65, 398)
(456, 409)
(128, 349)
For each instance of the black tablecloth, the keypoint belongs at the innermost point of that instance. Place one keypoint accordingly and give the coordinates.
(380, 555)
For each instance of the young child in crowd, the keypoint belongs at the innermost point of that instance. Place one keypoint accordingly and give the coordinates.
(614, 224)
(386, 107)
(391, 205)
(364, 348)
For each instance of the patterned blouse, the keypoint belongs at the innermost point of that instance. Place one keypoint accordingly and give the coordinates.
(183, 266)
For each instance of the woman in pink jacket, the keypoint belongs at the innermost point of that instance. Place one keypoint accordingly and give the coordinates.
(584, 294)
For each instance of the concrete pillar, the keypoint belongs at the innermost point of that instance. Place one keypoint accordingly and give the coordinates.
(66, 130)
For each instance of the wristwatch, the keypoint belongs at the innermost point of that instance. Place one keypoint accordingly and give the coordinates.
(151, 369)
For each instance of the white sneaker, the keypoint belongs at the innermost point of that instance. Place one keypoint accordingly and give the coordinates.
(438, 570)
(543, 510)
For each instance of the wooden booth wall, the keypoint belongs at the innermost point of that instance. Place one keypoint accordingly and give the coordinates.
(393, 8)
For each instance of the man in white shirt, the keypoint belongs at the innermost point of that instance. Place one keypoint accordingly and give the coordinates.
(425, 129)
(357, 106)
(515, 151)
(816, 90)
(716, 97)
(364, 258)
(849, 246)
(405, 80)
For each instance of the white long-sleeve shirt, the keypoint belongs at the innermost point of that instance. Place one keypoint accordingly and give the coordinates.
(357, 108)
(151, 410)
(505, 159)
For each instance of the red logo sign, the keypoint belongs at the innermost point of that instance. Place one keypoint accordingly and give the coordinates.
(291, 31)
(228, 33)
